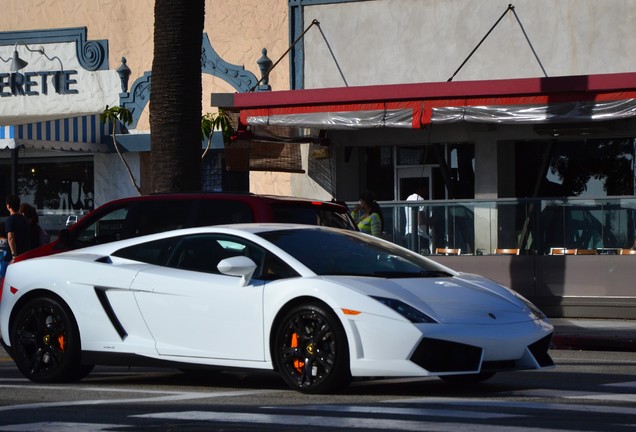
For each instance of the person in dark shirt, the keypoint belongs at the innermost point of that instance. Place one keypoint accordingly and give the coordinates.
(37, 236)
(17, 227)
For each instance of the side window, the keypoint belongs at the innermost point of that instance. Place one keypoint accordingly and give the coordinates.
(159, 216)
(199, 252)
(312, 215)
(107, 228)
(220, 211)
(155, 252)
(203, 252)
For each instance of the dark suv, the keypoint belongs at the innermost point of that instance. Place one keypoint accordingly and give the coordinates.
(136, 216)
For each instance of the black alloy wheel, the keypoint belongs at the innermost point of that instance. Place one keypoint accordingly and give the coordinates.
(46, 343)
(311, 352)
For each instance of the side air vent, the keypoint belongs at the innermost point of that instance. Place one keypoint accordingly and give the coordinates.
(105, 260)
(103, 299)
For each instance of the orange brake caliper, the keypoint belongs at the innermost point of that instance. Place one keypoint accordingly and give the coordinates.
(60, 340)
(298, 364)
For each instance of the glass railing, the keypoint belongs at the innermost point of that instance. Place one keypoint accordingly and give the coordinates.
(532, 226)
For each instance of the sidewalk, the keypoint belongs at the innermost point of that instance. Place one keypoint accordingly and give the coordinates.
(594, 334)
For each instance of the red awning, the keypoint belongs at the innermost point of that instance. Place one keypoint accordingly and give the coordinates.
(567, 99)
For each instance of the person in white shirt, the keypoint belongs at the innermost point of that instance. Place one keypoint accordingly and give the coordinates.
(423, 241)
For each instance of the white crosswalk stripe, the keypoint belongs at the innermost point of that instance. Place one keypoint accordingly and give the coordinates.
(59, 427)
(332, 422)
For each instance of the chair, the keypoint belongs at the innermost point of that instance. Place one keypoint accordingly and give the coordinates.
(506, 251)
(447, 251)
(627, 252)
(585, 252)
(562, 251)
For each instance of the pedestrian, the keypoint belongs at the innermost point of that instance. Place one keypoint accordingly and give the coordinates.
(423, 242)
(17, 227)
(368, 215)
(37, 236)
(5, 252)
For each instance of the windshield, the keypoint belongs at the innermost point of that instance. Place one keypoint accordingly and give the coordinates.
(338, 252)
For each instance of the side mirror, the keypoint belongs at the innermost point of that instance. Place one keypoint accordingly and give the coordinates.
(71, 219)
(238, 266)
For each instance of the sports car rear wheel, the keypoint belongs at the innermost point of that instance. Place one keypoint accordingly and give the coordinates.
(311, 351)
(46, 342)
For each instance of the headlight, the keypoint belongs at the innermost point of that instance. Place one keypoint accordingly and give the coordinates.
(533, 309)
(408, 312)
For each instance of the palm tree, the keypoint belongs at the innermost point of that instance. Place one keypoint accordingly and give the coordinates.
(175, 97)
(124, 116)
(211, 122)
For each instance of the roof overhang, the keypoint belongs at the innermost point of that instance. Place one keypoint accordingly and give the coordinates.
(566, 99)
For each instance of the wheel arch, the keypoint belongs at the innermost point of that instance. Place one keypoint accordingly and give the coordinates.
(35, 293)
(295, 302)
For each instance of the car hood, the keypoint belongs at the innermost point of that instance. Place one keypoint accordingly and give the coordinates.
(461, 299)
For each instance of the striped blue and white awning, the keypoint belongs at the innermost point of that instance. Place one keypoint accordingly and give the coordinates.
(86, 133)
(7, 137)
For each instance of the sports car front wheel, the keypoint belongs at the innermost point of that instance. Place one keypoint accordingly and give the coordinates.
(46, 343)
(311, 351)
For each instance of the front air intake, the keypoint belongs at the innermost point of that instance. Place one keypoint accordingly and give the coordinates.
(539, 350)
(442, 356)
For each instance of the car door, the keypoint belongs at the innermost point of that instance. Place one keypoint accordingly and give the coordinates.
(192, 310)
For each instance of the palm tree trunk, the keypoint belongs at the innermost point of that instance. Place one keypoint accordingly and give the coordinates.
(175, 97)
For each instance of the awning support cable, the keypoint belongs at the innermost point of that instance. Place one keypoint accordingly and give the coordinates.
(508, 9)
(333, 55)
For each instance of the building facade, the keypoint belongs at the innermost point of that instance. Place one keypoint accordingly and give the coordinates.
(54, 151)
(516, 119)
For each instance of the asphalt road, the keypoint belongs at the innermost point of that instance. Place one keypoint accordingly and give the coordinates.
(592, 391)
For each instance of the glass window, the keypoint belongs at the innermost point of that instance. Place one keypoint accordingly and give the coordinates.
(203, 252)
(312, 215)
(594, 168)
(222, 211)
(154, 252)
(107, 228)
(340, 252)
(162, 215)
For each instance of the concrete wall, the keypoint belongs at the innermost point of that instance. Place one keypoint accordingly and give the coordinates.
(402, 41)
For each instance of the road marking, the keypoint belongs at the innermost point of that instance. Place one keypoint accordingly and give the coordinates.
(577, 395)
(490, 403)
(59, 427)
(332, 422)
(424, 412)
(628, 384)
(607, 397)
(166, 397)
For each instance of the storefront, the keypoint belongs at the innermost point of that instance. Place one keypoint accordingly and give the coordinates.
(55, 152)
(53, 86)
(528, 164)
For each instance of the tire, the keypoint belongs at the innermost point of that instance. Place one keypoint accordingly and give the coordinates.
(46, 342)
(311, 352)
(468, 378)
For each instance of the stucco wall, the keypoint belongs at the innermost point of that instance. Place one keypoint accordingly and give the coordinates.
(402, 41)
(238, 31)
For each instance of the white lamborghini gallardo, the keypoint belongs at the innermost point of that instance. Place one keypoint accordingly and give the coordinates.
(318, 305)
